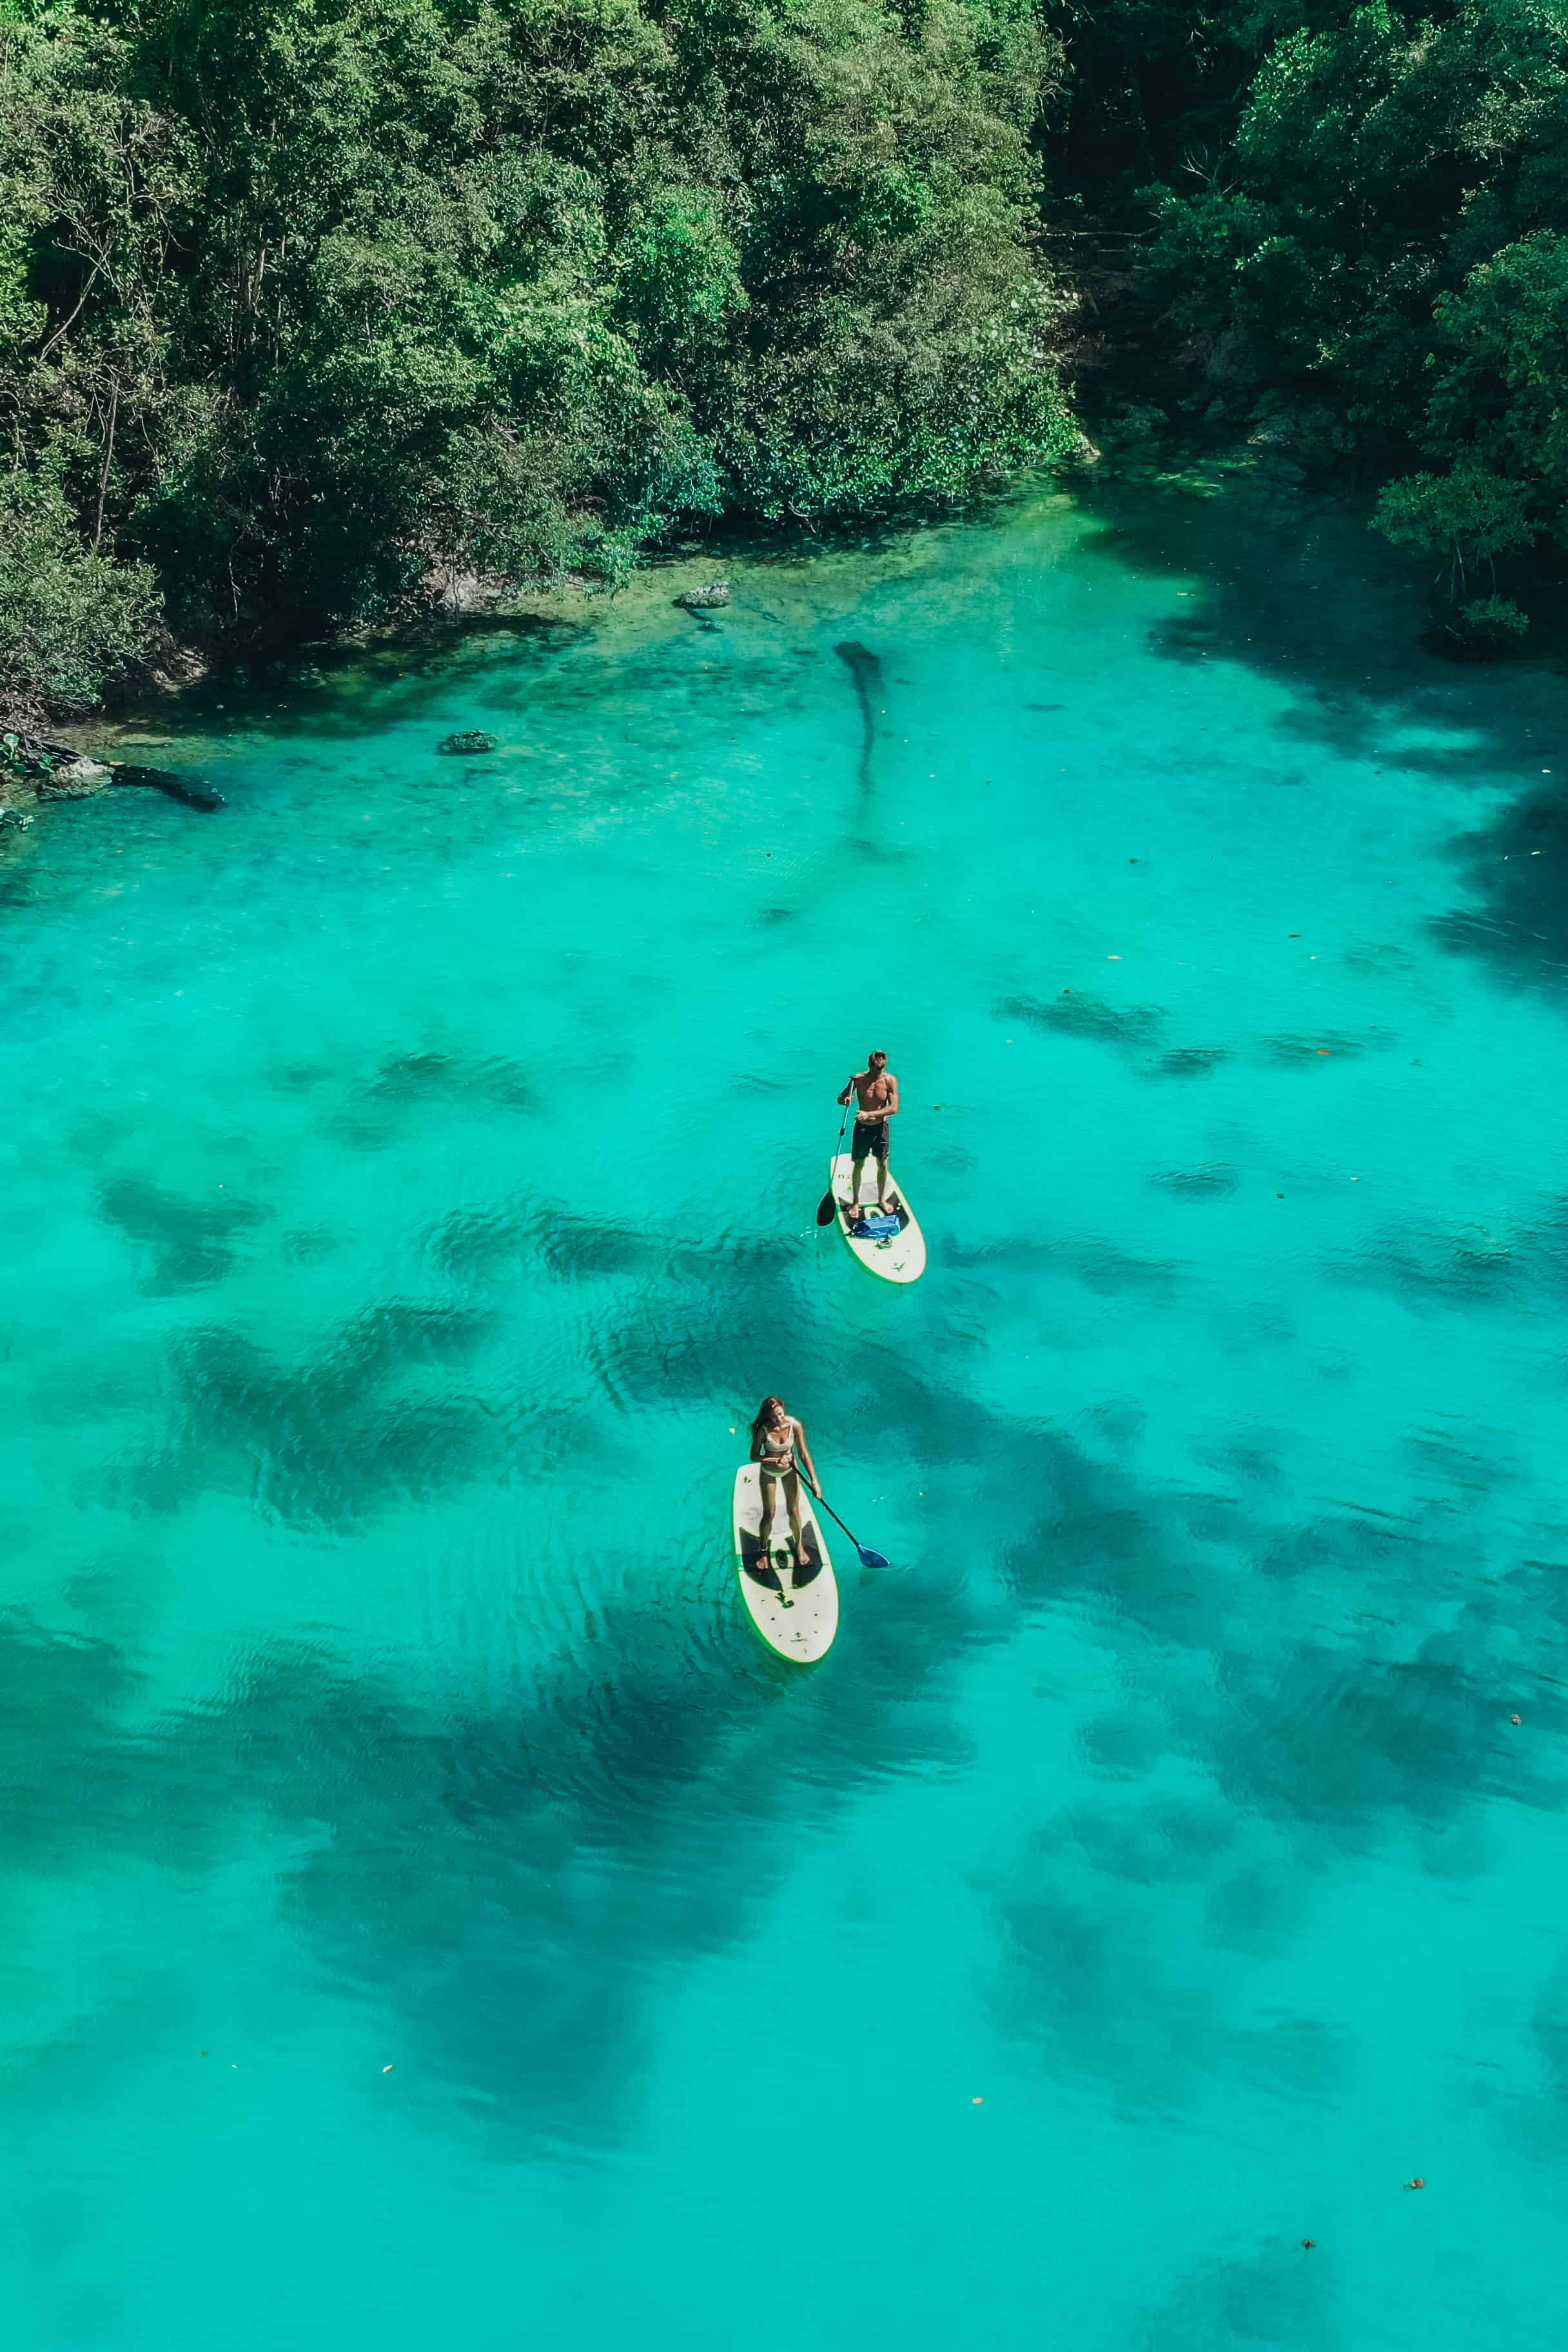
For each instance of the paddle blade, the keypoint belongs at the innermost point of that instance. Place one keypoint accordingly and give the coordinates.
(825, 1209)
(870, 1559)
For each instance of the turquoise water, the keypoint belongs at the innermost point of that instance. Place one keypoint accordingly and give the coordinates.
(409, 1195)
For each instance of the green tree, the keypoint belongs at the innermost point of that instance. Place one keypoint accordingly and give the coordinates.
(310, 304)
(1467, 514)
(679, 276)
(71, 620)
(1500, 368)
(1388, 226)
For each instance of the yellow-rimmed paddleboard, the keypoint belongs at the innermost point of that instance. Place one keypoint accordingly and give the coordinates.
(902, 1257)
(797, 1619)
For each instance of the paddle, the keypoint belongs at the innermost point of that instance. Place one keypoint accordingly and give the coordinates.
(826, 1206)
(868, 1559)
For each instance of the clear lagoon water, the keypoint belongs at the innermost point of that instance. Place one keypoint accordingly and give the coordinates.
(409, 1195)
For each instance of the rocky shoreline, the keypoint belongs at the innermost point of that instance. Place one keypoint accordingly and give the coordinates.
(1278, 459)
(35, 770)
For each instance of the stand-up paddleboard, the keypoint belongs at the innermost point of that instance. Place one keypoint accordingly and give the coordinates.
(902, 1257)
(797, 1619)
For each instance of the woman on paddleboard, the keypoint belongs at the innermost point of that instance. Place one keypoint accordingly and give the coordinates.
(776, 1438)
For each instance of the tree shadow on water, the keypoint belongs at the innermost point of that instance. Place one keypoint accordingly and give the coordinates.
(1298, 589)
(1517, 866)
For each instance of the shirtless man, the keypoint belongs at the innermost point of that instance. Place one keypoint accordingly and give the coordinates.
(878, 1092)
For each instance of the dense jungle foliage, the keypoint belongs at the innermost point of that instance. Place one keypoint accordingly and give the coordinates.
(311, 307)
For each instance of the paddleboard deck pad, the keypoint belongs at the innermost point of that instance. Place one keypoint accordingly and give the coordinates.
(901, 1256)
(792, 1604)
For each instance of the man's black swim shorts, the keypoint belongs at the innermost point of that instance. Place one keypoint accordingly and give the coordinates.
(871, 1137)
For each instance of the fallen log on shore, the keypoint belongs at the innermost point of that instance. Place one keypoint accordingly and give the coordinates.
(58, 773)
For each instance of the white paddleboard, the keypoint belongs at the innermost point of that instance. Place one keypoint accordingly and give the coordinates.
(902, 1257)
(797, 1619)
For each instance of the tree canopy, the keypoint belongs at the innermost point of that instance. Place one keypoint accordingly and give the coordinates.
(1385, 223)
(308, 306)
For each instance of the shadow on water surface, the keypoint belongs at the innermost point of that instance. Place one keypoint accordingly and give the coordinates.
(1280, 2297)
(1127, 1029)
(1518, 868)
(187, 1243)
(373, 1417)
(508, 1877)
(1304, 592)
(371, 1113)
(1516, 1262)
(865, 668)
(507, 1882)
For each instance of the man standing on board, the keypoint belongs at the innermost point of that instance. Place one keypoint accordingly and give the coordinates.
(878, 1092)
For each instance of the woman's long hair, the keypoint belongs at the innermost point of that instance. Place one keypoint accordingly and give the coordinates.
(772, 1409)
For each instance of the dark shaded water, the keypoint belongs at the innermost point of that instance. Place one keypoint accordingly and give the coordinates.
(410, 1195)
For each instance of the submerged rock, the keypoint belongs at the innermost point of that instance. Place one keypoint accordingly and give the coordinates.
(468, 741)
(704, 600)
(73, 780)
(194, 791)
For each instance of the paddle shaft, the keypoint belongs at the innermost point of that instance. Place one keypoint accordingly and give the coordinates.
(869, 1556)
(876, 1559)
(826, 1206)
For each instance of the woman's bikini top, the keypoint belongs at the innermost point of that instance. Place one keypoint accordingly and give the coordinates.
(781, 1448)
